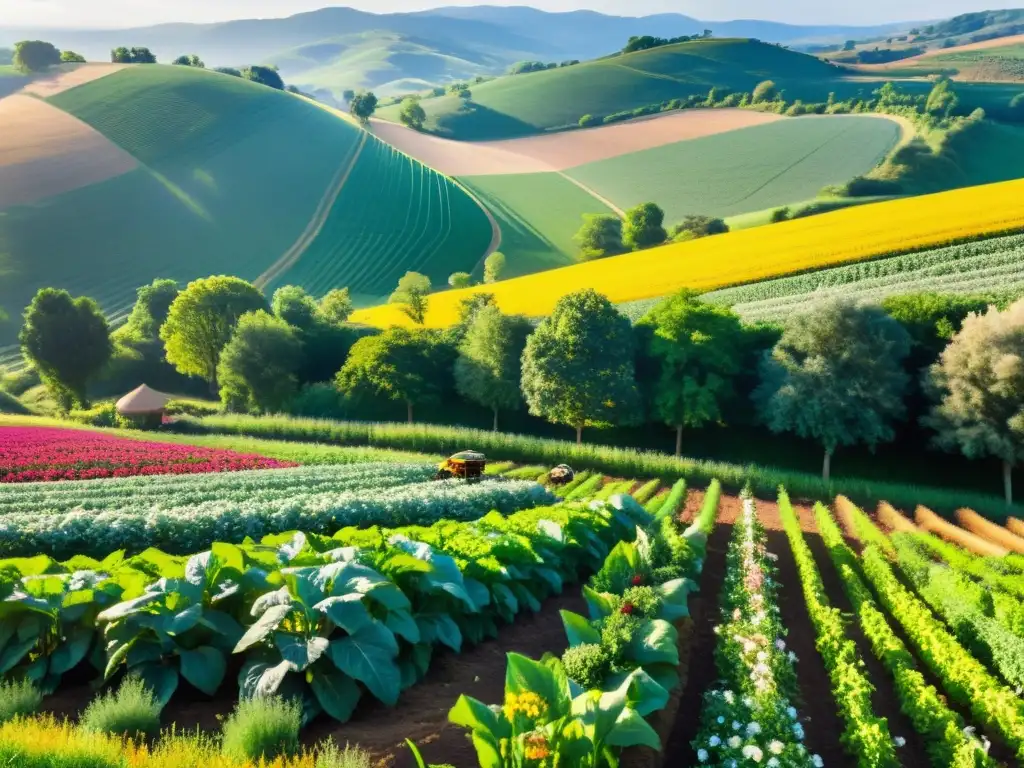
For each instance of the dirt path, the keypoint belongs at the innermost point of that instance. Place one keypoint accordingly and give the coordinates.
(316, 224)
(68, 76)
(597, 196)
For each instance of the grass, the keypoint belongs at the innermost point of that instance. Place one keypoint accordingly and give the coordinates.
(1002, 63)
(131, 711)
(18, 699)
(233, 174)
(10, 404)
(850, 235)
(263, 728)
(617, 462)
(539, 214)
(745, 170)
(994, 266)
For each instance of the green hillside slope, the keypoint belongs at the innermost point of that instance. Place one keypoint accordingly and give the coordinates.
(235, 176)
(1004, 63)
(744, 170)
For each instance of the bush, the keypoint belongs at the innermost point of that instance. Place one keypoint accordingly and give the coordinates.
(780, 214)
(589, 121)
(18, 699)
(197, 408)
(263, 728)
(104, 415)
(862, 186)
(319, 401)
(132, 711)
(587, 664)
(10, 404)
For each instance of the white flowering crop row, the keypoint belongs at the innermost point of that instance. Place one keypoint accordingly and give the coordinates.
(168, 492)
(192, 528)
(749, 718)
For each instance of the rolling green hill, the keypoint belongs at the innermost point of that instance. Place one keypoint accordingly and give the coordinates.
(1003, 63)
(234, 178)
(744, 170)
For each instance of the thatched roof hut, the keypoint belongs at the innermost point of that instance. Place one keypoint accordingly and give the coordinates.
(143, 401)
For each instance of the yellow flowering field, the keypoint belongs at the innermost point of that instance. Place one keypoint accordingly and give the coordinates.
(848, 235)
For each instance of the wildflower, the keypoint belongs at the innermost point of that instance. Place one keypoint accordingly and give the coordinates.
(798, 731)
(702, 755)
(748, 702)
(729, 696)
(528, 704)
(721, 720)
(638, 580)
(791, 711)
(776, 747)
(817, 761)
(736, 726)
(627, 608)
(752, 752)
(537, 747)
(753, 728)
(714, 741)
(792, 657)
(734, 742)
(780, 644)
(899, 741)
(773, 762)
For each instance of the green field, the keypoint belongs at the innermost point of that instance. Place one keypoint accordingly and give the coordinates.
(233, 175)
(539, 213)
(745, 170)
(1003, 63)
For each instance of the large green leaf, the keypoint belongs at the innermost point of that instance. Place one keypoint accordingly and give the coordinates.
(346, 611)
(440, 628)
(674, 599)
(599, 604)
(477, 716)
(264, 602)
(300, 652)
(266, 624)
(204, 667)
(646, 695)
(631, 730)
(71, 651)
(15, 652)
(404, 625)
(578, 629)
(523, 674)
(182, 622)
(129, 607)
(656, 642)
(337, 693)
(160, 679)
(369, 656)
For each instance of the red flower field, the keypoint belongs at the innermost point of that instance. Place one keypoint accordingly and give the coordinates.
(37, 454)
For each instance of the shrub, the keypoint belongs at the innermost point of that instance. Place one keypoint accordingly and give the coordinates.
(18, 699)
(330, 755)
(644, 601)
(861, 186)
(588, 121)
(105, 415)
(587, 664)
(319, 400)
(132, 711)
(263, 728)
(197, 408)
(780, 214)
(617, 633)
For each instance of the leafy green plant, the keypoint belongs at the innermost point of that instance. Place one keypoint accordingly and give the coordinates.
(18, 699)
(330, 755)
(263, 728)
(133, 711)
(587, 665)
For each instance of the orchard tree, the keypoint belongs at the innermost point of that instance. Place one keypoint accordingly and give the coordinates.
(494, 265)
(257, 368)
(68, 342)
(413, 114)
(696, 350)
(189, 60)
(978, 387)
(413, 295)
(600, 236)
(202, 320)
(643, 227)
(488, 369)
(35, 55)
(460, 279)
(293, 305)
(152, 305)
(578, 366)
(335, 307)
(836, 376)
(398, 364)
(363, 105)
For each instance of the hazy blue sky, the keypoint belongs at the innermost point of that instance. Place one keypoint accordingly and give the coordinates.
(118, 13)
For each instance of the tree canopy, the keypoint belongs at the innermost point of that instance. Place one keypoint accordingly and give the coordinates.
(68, 342)
(697, 351)
(336, 306)
(578, 366)
(766, 90)
(398, 364)
(413, 114)
(494, 266)
(124, 55)
(294, 306)
(460, 279)
(362, 105)
(202, 320)
(35, 55)
(643, 227)
(412, 294)
(488, 369)
(257, 368)
(693, 227)
(600, 236)
(70, 57)
(978, 388)
(267, 76)
(189, 60)
(152, 304)
(836, 376)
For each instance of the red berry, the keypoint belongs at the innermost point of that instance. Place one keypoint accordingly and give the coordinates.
(627, 608)
(638, 580)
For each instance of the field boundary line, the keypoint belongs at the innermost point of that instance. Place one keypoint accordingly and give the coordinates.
(316, 223)
(496, 234)
(600, 198)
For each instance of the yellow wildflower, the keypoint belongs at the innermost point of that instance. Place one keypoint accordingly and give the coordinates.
(529, 704)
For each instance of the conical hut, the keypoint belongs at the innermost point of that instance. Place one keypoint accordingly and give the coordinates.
(144, 405)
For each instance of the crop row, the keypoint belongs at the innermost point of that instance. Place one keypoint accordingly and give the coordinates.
(324, 619)
(191, 528)
(750, 715)
(170, 492)
(866, 735)
(621, 665)
(948, 743)
(987, 266)
(983, 569)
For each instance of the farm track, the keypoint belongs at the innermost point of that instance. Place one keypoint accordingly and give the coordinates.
(618, 211)
(495, 243)
(316, 224)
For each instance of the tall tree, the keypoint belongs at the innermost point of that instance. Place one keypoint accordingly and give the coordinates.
(201, 322)
(35, 55)
(488, 369)
(257, 369)
(460, 279)
(644, 227)
(600, 236)
(836, 376)
(293, 305)
(399, 365)
(978, 388)
(413, 114)
(412, 294)
(363, 105)
(578, 366)
(697, 351)
(152, 304)
(67, 341)
(336, 306)
(494, 266)
(942, 100)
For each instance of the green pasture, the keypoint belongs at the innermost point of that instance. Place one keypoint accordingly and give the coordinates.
(231, 176)
(539, 213)
(746, 170)
(393, 215)
(1005, 62)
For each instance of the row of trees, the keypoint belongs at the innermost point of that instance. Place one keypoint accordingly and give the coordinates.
(413, 291)
(643, 227)
(840, 374)
(646, 42)
(38, 56)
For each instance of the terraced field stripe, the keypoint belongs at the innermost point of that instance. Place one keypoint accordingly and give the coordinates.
(316, 224)
(618, 211)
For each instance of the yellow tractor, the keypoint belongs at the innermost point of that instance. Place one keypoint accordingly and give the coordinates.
(467, 465)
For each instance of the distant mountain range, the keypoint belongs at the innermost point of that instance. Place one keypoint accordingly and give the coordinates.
(333, 49)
